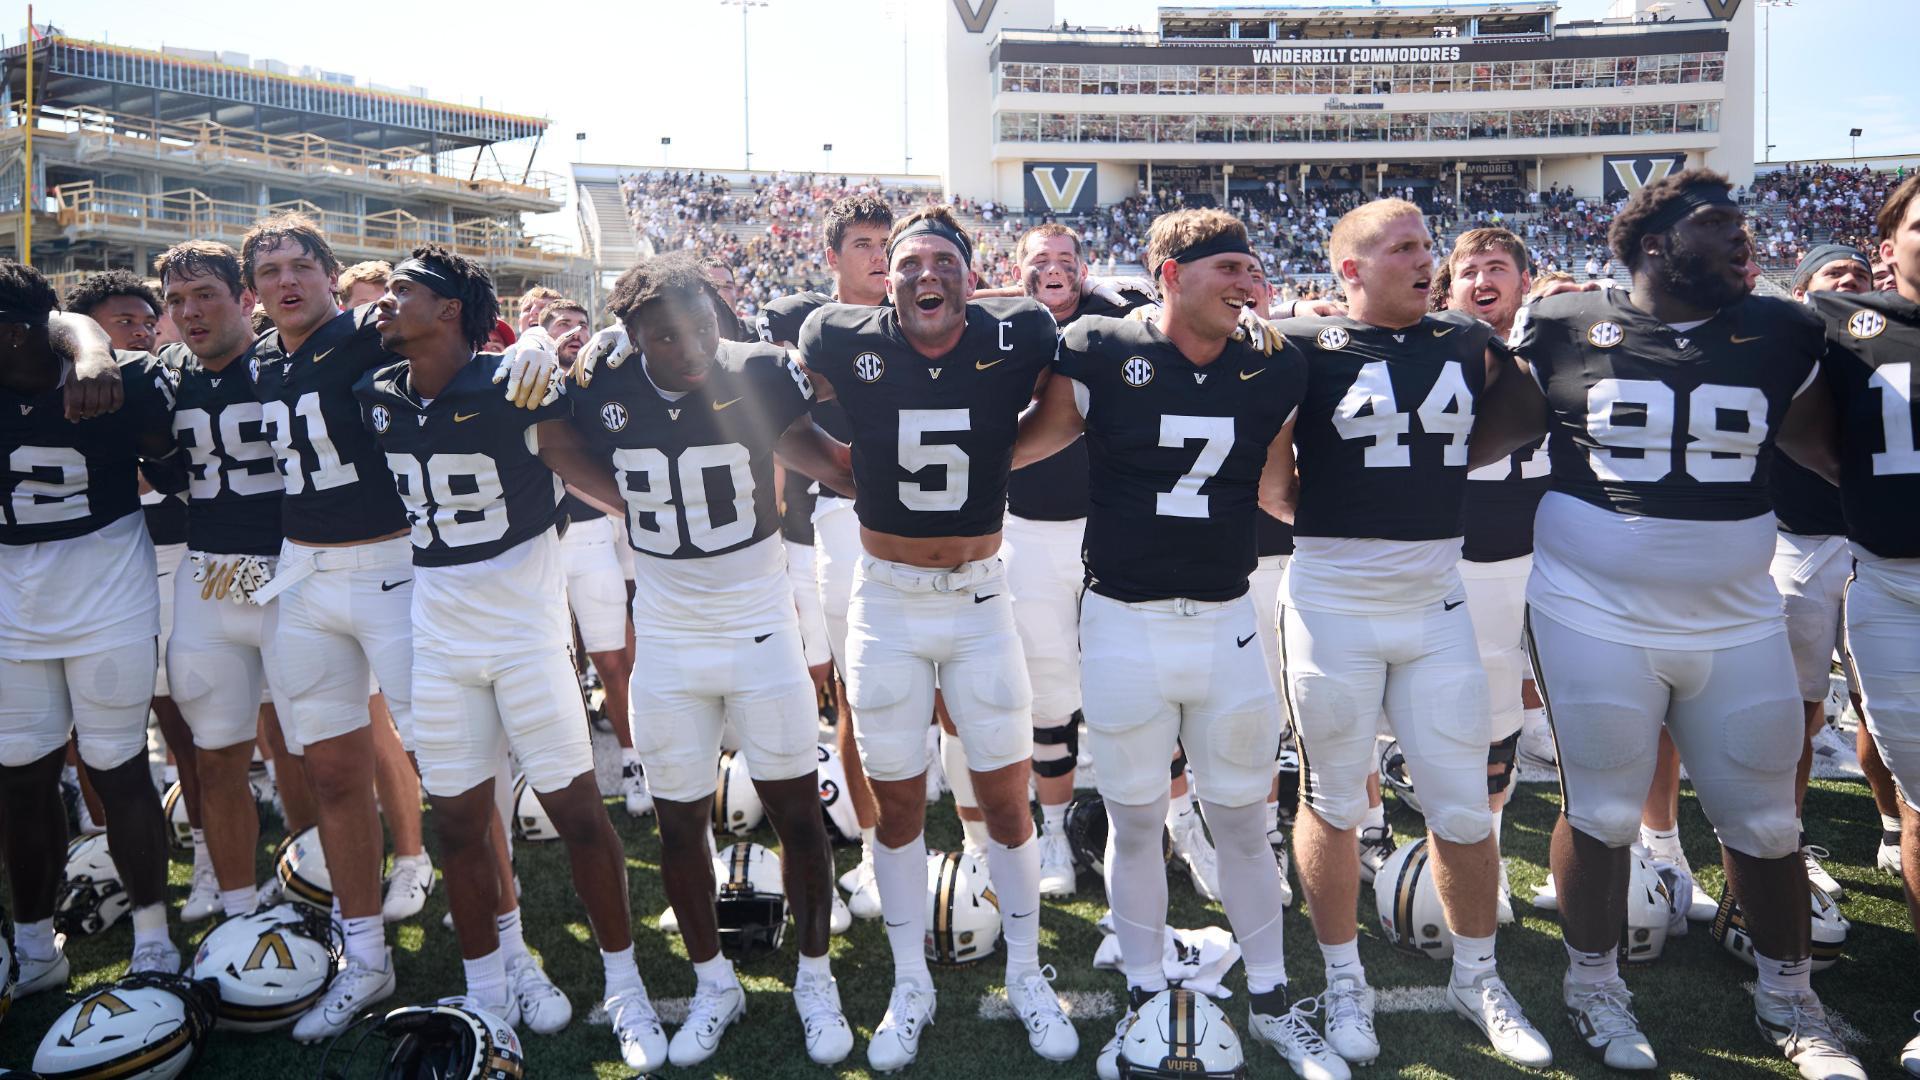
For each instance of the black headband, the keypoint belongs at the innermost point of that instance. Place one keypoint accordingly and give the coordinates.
(427, 274)
(928, 226)
(30, 318)
(1691, 198)
(1231, 242)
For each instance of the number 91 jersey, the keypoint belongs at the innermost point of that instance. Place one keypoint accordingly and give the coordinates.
(1652, 421)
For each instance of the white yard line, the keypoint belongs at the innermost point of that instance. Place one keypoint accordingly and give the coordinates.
(1078, 1005)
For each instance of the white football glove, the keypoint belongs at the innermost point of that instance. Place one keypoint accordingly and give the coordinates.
(609, 347)
(531, 369)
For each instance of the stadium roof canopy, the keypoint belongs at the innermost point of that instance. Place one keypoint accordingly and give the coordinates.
(1357, 20)
(77, 74)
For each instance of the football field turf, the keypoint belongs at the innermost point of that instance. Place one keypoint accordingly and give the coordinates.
(1690, 1001)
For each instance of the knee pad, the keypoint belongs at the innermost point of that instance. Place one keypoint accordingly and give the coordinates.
(1056, 746)
(1341, 810)
(1500, 763)
(1460, 824)
(1764, 833)
(1616, 825)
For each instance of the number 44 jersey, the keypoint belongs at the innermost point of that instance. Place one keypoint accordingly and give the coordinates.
(696, 470)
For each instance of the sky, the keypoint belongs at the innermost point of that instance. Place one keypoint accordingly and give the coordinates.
(832, 71)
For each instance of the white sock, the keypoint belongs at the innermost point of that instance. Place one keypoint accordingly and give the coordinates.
(367, 940)
(35, 939)
(901, 874)
(976, 833)
(238, 902)
(1498, 816)
(1178, 807)
(815, 966)
(1250, 892)
(1053, 819)
(621, 974)
(1890, 823)
(1659, 840)
(629, 756)
(1273, 816)
(487, 979)
(1137, 890)
(866, 844)
(717, 972)
(1592, 969)
(1376, 817)
(201, 860)
(1016, 880)
(1472, 959)
(1343, 961)
(150, 925)
(513, 938)
(1783, 976)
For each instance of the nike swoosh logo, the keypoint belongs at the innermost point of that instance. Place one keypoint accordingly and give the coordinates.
(389, 586)
(890, 922)
(1444, 333)
(978, 366)
(1242, 642)
(1451, 606)
(322, 356)
(761, 638)
(991, 595)
(1026, 915)
(718, 405)
(1245, 375)
(461, 418)
(1738, 340)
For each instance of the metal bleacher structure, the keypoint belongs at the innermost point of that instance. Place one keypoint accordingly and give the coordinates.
(135, 150)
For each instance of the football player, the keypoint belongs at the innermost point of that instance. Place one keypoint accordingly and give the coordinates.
(1372, 615)
(931, 459)
(344, 575)
(1649, 605)
(690, 432)
(1873, 341)
(856, 235)
(233, 535)
(1182, 423)
(491, 644)
(79, 611)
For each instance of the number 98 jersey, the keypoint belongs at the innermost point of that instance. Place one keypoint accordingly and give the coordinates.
(1652, 421)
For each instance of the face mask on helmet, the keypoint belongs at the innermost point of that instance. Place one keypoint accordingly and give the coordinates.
(750, 905)
(453, 1039)
(1649, 910)
(144, 1027)
(1180, 1033)
(91, 896)
(1393, 773)
(270, 966)
(1086, 828)
(9, 963)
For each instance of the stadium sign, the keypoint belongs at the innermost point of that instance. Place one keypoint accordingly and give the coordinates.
(975, 15)
(1624, 174)
(1491, 168)
(1386, 54)
(1433, 51)
(1063, 187)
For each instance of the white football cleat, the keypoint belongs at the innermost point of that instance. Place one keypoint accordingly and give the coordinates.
(156, 957)
(829, 1037)
(633, 786)
(839, 919)
(863, 892)
(203, 897)
(1888, 857)
(896, 1042)
(714, 1009)
(643, 1042)
(1347, 1005)
(1817, 874)
(1049, 1032)
(1603, 1017)
(1492, 1008)
(356, 987)
(408, 888)
(1291, 1035)
(542, 1005)
(1798, 1026)
(1056, 866)
(44, 973)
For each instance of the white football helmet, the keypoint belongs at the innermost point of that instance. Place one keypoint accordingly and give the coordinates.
(1649, 913)
(144, 1027)
(179, 829)
(91, 897)
(1393, 773)
(9, 963)
(843, 825)
(1180, 1033)
(1409, 902)
(301, 866)
(451, 1038)
(270, 966)
(1829, 929)
(736, 803)
(750, 903)
(530, 820)
(963, 914)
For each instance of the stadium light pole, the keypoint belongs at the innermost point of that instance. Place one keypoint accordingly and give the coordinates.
(1854, 134)
(746, 120)
(1768, 6)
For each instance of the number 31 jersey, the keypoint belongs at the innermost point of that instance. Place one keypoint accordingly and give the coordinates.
(1658, 530)
(1176, 453)
(1873, 343)
(696, 471)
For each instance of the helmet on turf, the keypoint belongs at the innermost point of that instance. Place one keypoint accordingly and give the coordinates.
(736, 802)
(963, 914)
(91, 896)
(1086, 828)
(1180, 1033)
(179, 829)
(9, 963)
(836, 803)
(1409, 902)
(452, 1039)
(301, 866)
(750, 905)
(144, 1027)
(1829, 928)
(1649, 910)
(1680, 892)
(270, 966)
(1393, 773)
(530, 820)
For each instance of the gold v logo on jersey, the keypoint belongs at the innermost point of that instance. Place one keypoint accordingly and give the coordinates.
(718, 405)
(979, 365)
(1061, 197)
(1738, 340)
(974, 16)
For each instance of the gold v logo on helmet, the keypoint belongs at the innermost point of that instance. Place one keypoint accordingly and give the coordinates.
(270, 944)
(105, 1000)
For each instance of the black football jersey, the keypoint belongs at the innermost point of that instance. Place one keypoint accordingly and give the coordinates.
(1382, 436)
(233, 483)
(931, 454)
(464, 464)
(61, 480)
(338, 489)
(1501, 499)
(1804, 501)
(1651, 421)
(797, 498)
(782, 317)
(1873, 341)
(1271, 536)
(1176, 451)
(697, 471)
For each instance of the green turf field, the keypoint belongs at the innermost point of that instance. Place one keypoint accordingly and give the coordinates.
(1690, 1001)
